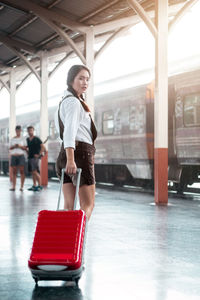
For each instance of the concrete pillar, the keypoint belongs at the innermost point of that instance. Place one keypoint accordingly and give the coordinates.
(161, 105)
(44, 125)
(89, 55)
(12, 119)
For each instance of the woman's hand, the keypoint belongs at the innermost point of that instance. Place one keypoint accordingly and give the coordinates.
(71, 167)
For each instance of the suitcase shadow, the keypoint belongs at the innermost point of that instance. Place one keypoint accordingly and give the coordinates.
(57, 292)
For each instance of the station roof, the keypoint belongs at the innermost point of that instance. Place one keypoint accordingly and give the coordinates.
(29, 27)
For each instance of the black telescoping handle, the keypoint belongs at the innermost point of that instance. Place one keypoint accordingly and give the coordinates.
(78, 171)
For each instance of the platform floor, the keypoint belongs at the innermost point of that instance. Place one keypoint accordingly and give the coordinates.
(135, 250)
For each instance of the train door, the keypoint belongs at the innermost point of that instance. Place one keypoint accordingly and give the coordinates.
(174, 168)
(187, 139)
(171, 123)
(188, 126)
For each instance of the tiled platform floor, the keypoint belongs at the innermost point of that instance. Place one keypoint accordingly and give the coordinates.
(135, 250)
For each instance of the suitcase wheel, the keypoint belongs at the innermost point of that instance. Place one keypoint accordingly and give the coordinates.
(36, 281)
(76, 281)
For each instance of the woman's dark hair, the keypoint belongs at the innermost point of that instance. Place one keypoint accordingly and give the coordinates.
(73, 71)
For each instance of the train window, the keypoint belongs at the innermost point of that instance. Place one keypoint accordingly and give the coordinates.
(53, 134)
(118, 123)
(4, 135)
(192, 110)
(108, 122)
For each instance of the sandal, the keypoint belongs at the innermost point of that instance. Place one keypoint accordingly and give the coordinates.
(21, 189)
(12, 189)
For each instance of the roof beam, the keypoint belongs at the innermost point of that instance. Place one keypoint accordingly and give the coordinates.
(23, 80)
(115, 35)
(25, 60)
(116, 24)
(5, 85)
(181, 13)
(3, 66)
(46, 13)
(60, 63)
(65, 37)
(32, 18)
(143, 15)
(98, 10)
(16, 44)
(132, 20)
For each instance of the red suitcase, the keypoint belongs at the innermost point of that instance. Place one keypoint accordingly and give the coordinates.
(58, 245)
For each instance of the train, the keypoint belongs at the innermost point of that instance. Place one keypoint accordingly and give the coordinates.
(125, 125)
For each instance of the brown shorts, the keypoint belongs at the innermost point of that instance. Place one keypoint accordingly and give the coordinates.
(84, 159)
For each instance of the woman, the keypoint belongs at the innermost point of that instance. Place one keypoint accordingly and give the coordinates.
(77, 131)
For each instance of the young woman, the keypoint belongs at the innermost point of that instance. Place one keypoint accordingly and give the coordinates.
(78, 133)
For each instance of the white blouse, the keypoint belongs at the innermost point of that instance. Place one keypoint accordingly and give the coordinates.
(76, 121)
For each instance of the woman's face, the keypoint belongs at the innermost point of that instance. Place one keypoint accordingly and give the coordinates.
(80, 82)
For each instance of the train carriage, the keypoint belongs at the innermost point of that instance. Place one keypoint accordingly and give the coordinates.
(125, 124)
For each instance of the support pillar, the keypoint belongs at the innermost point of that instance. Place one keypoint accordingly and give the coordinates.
(12, 118)
(44, 125)
(89, 55)
(161, 105)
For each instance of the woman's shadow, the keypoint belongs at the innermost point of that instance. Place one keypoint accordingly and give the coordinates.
(57, 292)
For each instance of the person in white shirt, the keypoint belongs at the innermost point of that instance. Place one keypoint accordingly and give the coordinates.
(78, 133)
(17, 151)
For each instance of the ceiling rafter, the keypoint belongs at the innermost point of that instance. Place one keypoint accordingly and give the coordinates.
(116, 24)
(55, 35)
(32, 18)
(143, 15)
(181, 13)
(24, 59)
(46, 13)
(62, 61)
(118, 33)
(23, 80)
(3, 66)
(98, 10)
(16, 44)
(65, 37)
(115, 29)
(5, 85)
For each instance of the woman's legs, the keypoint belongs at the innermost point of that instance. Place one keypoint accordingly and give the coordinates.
(86, 194)
(87, 197)
(69, 195)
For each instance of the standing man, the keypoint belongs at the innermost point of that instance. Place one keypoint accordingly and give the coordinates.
(17, 151)
(35, 149)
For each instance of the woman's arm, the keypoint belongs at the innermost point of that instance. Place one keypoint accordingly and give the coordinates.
(71, 110)
(70, 165)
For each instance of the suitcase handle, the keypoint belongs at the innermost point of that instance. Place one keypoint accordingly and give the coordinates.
(78, 171)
